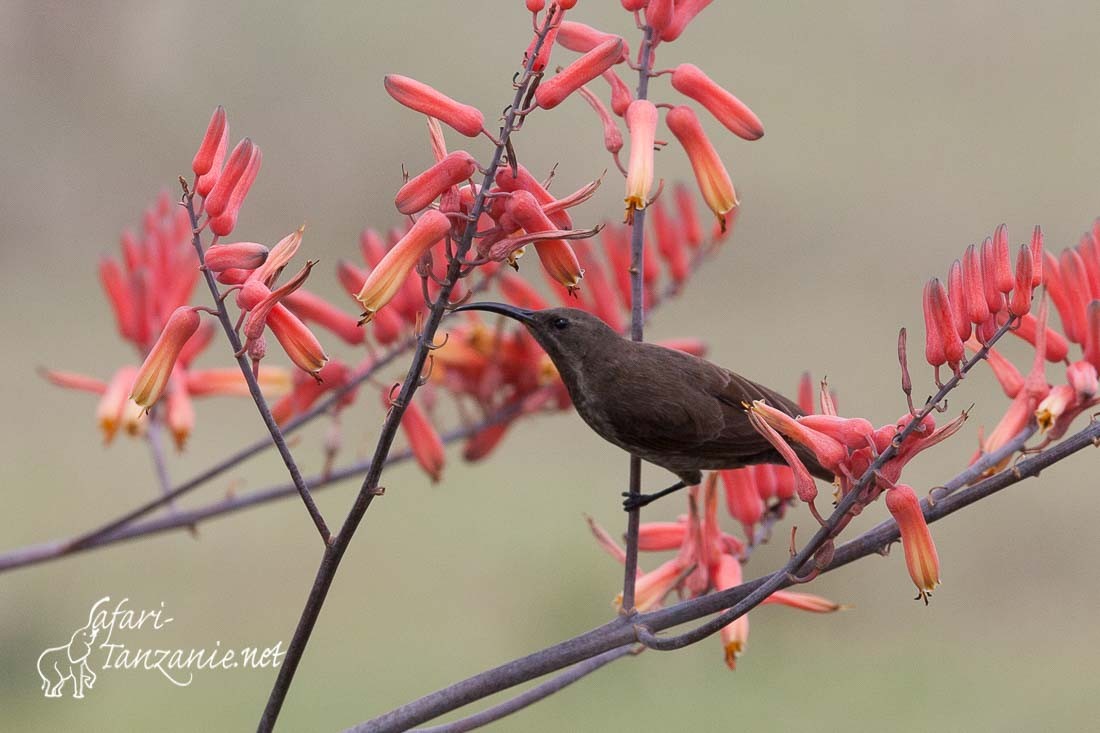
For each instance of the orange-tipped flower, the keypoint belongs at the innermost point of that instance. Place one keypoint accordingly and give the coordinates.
(714, 181)
(829, 452)
(551, 92)
(179, 413)
(215, 133)
(557, 257)
(421, 191)
(235, 256)
(152, 378)
(113, 401)
(312, 307)
(424, 99)
(426, 445)
(916, 540)
(297, 340)
(690, 81)
(524, 181)
(641, 119)
(388, 276)
(743, 500)
(735, 635)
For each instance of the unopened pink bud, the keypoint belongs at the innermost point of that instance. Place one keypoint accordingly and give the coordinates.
(685, 12)
(536, 6)
(421, 191)
(690, 81)
(743, 500)
(633, 6)
(235, 256)
(128, 315)
(557, 257)
(1056, 347)
(1082, 376)
(216, 133)
(661, 536)
(714, 182)
(933, 339)
(179, 412)
(1002, 260)
(1037, 257)
(152, 378)
(621, 96)
(956, 291)
(974, 287)
(583, 38)
(1075, 289)
(941, 308)
(388, 276)
(224, 223)
(992, 272)
(218, 200)
(612, 138)
(1092, 335)
(658, 16)
(426, 445)
(641, 119)
(551, 92)
(1020, 302)
(418, 96)
(689, 222)
(852, 432)
(205, 184)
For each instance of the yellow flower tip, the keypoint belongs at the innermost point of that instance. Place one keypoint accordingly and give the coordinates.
(733, 651)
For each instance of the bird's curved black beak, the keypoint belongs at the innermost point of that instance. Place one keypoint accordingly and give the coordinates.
(522, 315)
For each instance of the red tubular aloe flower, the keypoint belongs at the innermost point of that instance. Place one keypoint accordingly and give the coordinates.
(689, 223)
(273, 381)
(418, 96)
(536, 6)
(299, 343)
(214, 138)
(551, 92)
(179, 413)
(1056, 349)
(641, 120)
(956, 293)
(669, 243)
(557, 257)
(421, 191)
(803, 602)
(388, 276)
(71, 380)
(235, 256)
(661, 536)
(524, 181)
(851, 432)
(714, 181)
(1092, 336)
(974, 287)
(1090, 258)
(1076, 293)
(224, 223)
(205, 183)
(933, 339)
(313, 308)
(658, 16)
(113, 401)
(583, 38)
(1005, 371)
(612, 138)
(633, 6)
(1020, 302)
(621, 96)
(743, 499)
(1002, 260)
(992, 271)
(690, 81)
(152, 378)
(121, 297)
(735, 635)
(424, 441)
(941, 308)
(684, 13)
(218, 200)
(1037, 256)
(1082, 376)
(920, 552)
(828, 451)
(804, 484)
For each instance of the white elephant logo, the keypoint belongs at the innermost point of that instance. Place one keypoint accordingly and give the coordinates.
(69, 662)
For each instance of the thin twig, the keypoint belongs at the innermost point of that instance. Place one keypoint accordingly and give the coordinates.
(335, 550)
(249, 377)
(637, 328)
(620, 631)
(530, 697)
(154, 437)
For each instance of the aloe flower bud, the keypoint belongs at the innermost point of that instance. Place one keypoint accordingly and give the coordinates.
(153, 375)
(418, 96)
(214, 138)
(690, 81)
(419, 192)
(551, 92)
(388, 276)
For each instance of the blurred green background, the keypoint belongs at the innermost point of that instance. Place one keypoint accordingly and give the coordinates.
(896, 135)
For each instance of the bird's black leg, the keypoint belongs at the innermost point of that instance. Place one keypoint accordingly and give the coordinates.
(637, 501)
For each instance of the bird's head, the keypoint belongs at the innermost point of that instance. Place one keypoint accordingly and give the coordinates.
(566, 334)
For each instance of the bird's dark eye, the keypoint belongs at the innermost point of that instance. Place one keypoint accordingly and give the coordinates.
(560, 323)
